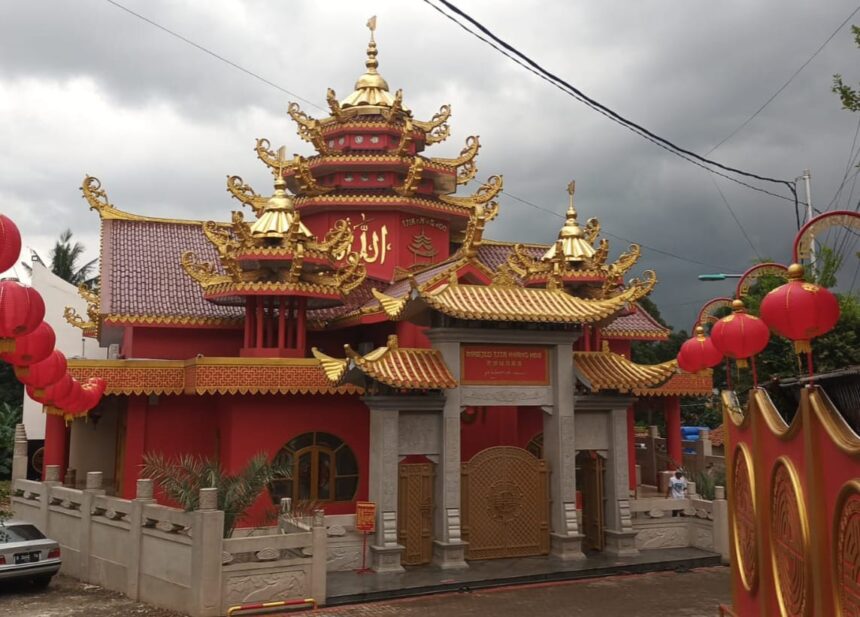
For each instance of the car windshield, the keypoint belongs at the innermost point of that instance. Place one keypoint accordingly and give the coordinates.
(19, 533)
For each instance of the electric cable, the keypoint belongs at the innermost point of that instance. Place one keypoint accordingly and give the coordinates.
(523, 60)
(211, 53)
(735, 217)
(785, 85)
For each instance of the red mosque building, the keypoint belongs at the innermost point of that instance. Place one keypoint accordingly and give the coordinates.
(357, 324)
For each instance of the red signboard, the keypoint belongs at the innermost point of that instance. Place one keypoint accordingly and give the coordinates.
(520, 365)
(365, 516)
(388, 239)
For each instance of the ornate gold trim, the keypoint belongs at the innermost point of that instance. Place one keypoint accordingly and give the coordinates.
(838, 560)
(308, 128)
(772, 419)
(98, 200)
(172, 320)
(436, 129)
(799, 503)
(466, 160)
(334, 368)
(748, 571)
(834, 424)
(412, 179)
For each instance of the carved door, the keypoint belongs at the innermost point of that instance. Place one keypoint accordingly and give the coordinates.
(415, 512)
(593, 504)
(504, 504)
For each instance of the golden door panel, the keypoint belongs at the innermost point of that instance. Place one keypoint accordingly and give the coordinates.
(505, 504)
(415, 513)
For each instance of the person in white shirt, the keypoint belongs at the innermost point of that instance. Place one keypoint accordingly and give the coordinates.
(677, 489)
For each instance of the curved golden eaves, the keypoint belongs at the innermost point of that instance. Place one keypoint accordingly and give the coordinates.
(465, 163)
(334, 368)
(98, 200)
(412, 179)
(393, 307)
(485, 194)
(238, 189)
(309, 129)
(606, 370)
(436, 129)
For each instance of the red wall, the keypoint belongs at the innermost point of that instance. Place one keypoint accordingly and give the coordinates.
(498, 426)
(181, 343)
(235, 428)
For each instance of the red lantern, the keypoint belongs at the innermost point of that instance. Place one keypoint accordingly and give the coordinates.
(49, 394)
(71, 397)
(740, 335)
(800, 311)
(21, 309)
(10, 243)
(33, 347)
(43, 374)
(698, 353)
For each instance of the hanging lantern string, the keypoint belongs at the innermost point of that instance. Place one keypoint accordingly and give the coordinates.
(754, 372)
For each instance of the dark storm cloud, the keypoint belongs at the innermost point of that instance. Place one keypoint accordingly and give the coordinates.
(90, 89)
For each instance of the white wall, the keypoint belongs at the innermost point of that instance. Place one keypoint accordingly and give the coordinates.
(58, 294)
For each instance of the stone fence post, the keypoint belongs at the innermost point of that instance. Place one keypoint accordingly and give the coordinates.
(93, 488)
(19, 454)
(207, 533)
(143, 496)
(720, 513)
(52, 479)
(320, 558)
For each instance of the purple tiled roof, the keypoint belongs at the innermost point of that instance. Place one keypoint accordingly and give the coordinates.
(141, 273)
(636, 321)
(495, 254)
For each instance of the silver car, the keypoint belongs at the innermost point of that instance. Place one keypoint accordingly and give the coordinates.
(26, 554)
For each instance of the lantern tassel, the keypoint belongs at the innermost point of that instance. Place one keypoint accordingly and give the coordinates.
(802, 347)
(7, 345)
(742, 362)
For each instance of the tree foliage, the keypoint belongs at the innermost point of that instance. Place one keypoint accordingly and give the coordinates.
(849, 96)
(182, 477)
(65, 260)
(10, 416)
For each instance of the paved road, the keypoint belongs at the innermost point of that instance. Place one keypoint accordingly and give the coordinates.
(696, 593)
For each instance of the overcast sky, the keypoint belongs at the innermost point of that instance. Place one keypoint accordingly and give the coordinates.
(87, 88)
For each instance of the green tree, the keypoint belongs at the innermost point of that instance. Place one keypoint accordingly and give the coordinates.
(10, 415)
(65, 260)
(849, 96)
(181, 479)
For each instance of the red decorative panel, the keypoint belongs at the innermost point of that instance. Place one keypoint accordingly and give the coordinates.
(520, 365)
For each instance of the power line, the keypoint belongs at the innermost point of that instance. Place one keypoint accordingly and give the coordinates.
(524, 61)
(785, 85)
(735, 217)
(644, 246)
(211, 53)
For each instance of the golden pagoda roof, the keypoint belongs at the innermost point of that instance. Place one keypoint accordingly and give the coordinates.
(88, 325)
(682, 384)
(278, 217)
(498, 302)
(408, 368)
(606, 370)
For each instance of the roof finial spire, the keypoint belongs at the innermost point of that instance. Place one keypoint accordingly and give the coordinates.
(571, 211)
(371, 63)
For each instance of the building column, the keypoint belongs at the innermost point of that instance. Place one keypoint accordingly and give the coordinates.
(55, 443)
(631, 449)
(385, 552)
(135, 442)
(619, 534)
(559, 451)
(673, 432)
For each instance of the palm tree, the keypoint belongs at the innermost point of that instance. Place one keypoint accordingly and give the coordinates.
(65, 257)
(181, 479)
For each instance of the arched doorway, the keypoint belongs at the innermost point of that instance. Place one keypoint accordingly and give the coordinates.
(590, 468)
(505, 504)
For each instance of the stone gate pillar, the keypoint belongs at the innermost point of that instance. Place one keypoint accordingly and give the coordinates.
(619, 533)
(385, 552)
(559, 450)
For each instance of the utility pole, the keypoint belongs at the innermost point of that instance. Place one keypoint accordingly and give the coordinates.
(806, 177)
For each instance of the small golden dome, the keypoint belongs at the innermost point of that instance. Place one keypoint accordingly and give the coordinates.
(571, 238)
(738, 306)
(371, 89)
(279, 216)
(795, 271)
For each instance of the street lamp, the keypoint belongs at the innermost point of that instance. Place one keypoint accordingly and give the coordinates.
(718, 277)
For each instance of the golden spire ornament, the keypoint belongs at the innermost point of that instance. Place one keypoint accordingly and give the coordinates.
(371, 89)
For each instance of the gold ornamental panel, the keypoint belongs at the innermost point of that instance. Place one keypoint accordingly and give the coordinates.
(743, 520)
(505, 504)
(789, 537)
(846, 550)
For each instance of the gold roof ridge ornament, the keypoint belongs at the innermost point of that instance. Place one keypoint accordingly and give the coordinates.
(572, 241)
(278, 217)
(89, 325)
(371, 89)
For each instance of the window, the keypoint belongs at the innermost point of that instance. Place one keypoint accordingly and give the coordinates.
(323, 469)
